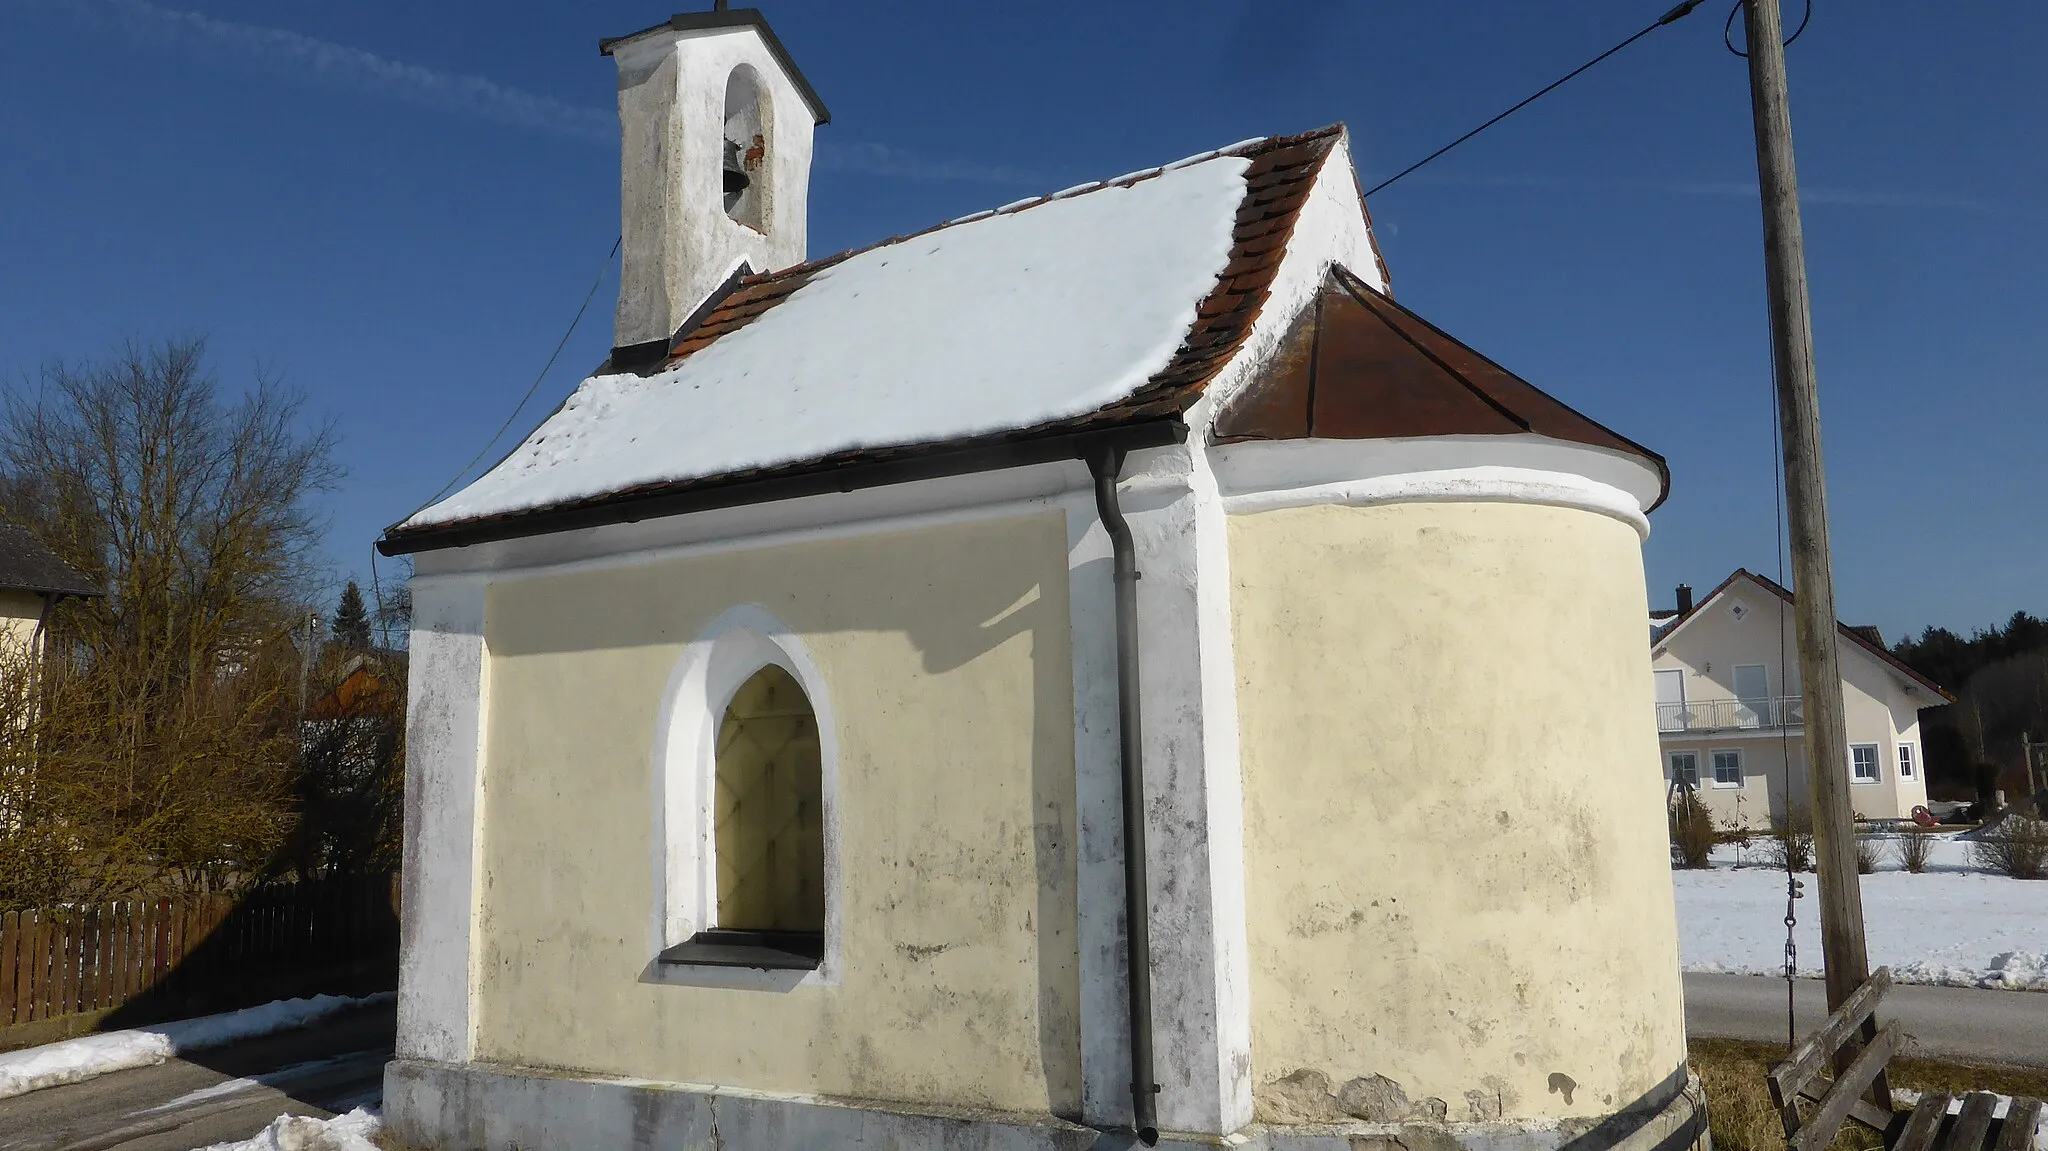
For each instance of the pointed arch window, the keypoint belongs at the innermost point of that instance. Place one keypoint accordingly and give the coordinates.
(744, 768)
(768, 814)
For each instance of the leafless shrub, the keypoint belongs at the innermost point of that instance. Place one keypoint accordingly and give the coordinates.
(1789, 846)
(1870, 852)
(2018, 847)
(1692, 831)
(1913, 849)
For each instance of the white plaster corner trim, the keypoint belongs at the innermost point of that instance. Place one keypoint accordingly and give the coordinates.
(1223, 775)
(448, 718)
(713, 667)
(1456, 485)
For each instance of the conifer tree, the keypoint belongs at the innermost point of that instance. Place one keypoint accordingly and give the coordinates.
(351, 627)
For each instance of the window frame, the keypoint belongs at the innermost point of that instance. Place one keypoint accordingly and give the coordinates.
(1714, 766)
(1876, 763)
(1758, 706)
(686, 940)
(1671, 762)
(1908, 761)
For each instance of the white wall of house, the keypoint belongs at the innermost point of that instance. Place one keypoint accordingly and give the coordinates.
(21, 617)
(1738, 667)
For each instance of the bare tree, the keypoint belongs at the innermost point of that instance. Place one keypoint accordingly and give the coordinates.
(352, 769)
(394, 605)
(166, 742)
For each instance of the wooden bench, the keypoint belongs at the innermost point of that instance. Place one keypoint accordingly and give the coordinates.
(1862, 1093)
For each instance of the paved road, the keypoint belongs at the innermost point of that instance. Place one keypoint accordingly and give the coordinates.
(210, 1096)
(2008, 1027)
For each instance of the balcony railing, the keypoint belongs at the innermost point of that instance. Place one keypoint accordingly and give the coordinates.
(1731, 714)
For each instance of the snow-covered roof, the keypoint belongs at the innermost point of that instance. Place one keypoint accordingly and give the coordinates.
(1042, 330)
(1107, 303)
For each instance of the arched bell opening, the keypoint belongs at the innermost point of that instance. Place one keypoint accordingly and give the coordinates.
(744, 168)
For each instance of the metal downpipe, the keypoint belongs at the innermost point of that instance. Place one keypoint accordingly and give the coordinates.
(1104, 464)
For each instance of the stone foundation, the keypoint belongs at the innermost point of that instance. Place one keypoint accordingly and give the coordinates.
(488, 1107)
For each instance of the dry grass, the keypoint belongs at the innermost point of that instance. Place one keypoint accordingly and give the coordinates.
(1913, 849)
(1739, 1102)
(1789, 845)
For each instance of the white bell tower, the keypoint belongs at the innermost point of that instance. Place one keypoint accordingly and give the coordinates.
(715, 165)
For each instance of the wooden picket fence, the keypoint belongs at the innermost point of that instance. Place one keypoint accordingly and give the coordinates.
(206, 952)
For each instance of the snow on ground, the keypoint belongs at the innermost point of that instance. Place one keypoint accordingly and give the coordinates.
(90, 1056)
(1953, 924)
(350, 1132)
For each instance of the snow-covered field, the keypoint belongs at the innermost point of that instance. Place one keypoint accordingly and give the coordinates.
(1953, 924)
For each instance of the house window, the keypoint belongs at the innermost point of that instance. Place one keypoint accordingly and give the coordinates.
(768, 813)
(1863, 763)
(1905, 761)
(1752, 695)
(1670, 699)
(1685, 768)
(1727, 768)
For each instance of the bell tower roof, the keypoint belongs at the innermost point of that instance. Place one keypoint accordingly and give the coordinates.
(715, 135)
(720, 18)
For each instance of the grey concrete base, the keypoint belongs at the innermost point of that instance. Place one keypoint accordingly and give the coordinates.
(490, 1107)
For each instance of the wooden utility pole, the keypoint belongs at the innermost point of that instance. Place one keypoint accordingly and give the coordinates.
(1827, 751)
(306, 653)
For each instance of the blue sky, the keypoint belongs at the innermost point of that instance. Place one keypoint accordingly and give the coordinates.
(398, 206)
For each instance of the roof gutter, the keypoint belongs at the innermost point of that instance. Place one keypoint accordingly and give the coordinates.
(1105, 461)
(827, 479)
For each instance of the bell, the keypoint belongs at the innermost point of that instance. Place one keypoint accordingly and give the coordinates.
(736, 178)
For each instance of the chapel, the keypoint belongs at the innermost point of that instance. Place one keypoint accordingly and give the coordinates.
(1098, 670)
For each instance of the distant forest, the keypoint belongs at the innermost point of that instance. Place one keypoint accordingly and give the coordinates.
(2000, 679)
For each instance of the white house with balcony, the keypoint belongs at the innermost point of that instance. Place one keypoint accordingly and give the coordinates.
(1729, 716)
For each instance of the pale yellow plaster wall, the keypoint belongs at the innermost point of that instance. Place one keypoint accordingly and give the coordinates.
(1457, 874)
(945, 655)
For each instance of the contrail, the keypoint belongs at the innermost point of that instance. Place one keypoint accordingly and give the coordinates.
(1851, 197)
(1732, 189)
(307, 58)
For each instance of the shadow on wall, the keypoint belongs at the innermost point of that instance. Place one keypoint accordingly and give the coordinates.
(925, 601)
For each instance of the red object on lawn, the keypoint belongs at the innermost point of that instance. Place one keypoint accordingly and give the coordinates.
(1924, 817)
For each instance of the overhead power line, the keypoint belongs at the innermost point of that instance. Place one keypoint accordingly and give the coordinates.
(535, 386)
(1671, 17)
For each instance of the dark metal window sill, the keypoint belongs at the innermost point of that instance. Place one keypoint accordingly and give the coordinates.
(765, 950)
